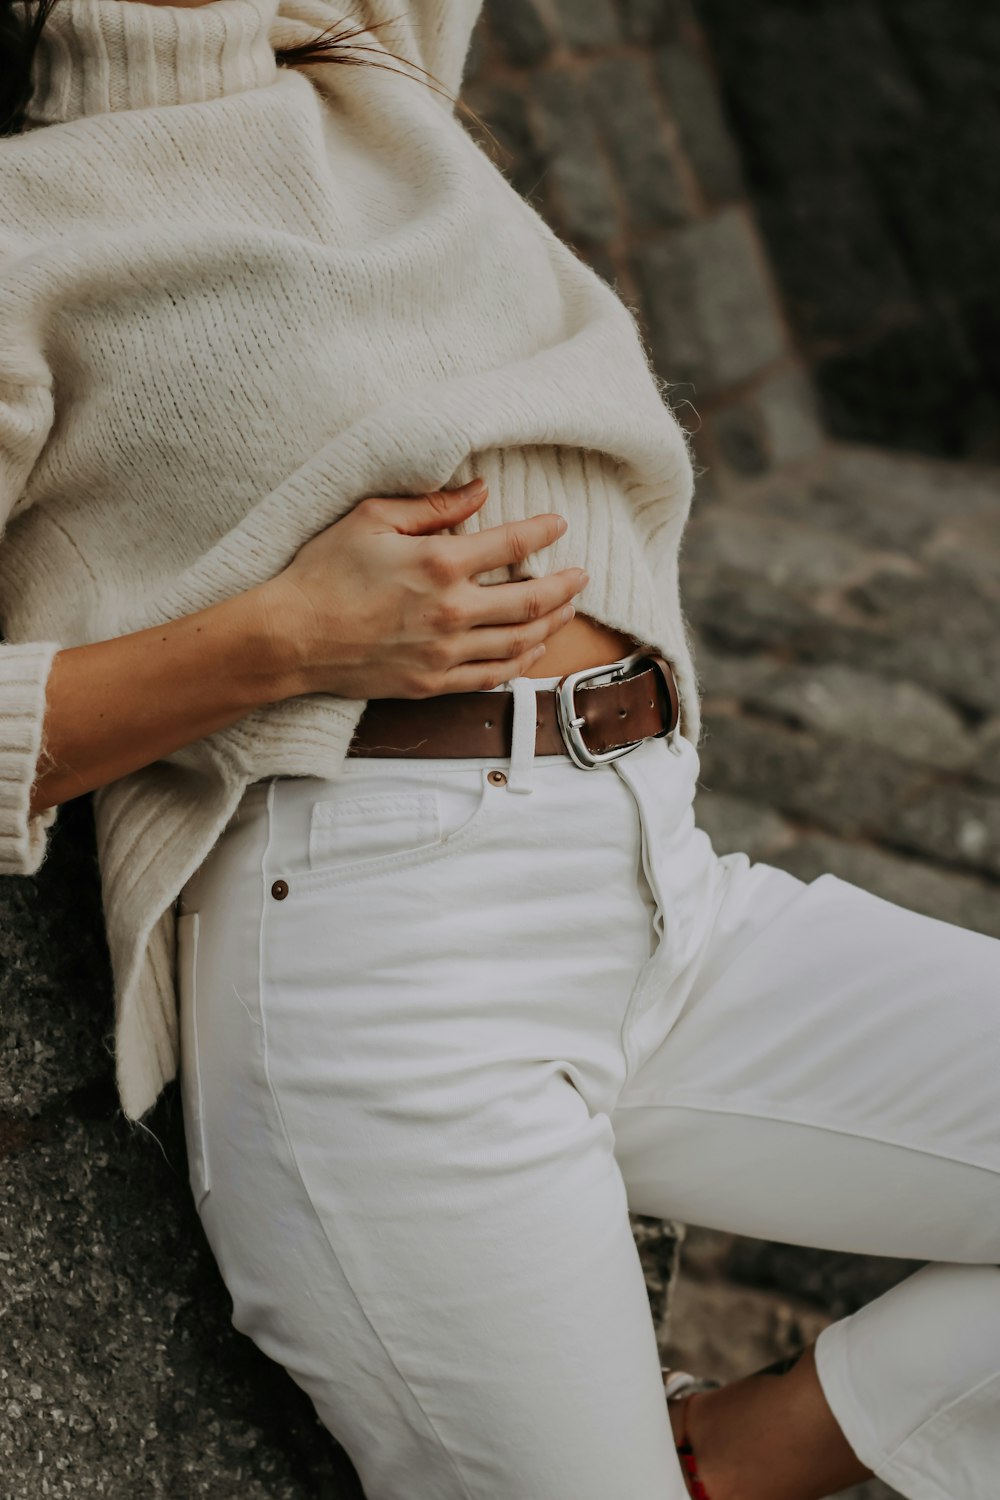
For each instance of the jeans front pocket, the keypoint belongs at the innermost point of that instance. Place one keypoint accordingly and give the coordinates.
(377, 822)
(351, 831)
(192, 1102)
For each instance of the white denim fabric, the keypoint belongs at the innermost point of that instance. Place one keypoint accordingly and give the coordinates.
(424, 1086)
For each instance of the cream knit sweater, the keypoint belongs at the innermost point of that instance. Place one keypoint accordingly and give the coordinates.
(235, 299)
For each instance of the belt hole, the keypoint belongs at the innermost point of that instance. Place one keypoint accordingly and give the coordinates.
(488, 723)
(623, 713)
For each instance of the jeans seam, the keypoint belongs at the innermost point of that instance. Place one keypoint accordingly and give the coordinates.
(298, 1170)
(709, 1105)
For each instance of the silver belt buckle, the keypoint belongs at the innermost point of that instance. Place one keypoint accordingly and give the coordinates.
(570, 721)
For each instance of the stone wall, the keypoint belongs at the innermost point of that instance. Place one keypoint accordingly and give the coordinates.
(607, 118)
(868, 131)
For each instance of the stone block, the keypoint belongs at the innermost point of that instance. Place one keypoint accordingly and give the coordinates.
(964, 672)
(587, 23)
(948, 895)
(941, 631)
(654, 20)
(740, 438)
(122, 1375)
(967, 548)
(906, 383)
(711, 316)
(658, 1242)
(799, 558)
(853, 120)
(839, 700)
(950, 823)
(477, 57)
(637, 140)
(878, 499)
(504, 109)
(986, 765)
(789, 417)
(728, 675)
(569, 145)
(837, 1282)
(692, 93)
(743, 613)
(738, 826)
(849, 789)
(520, 31)
(55, 975)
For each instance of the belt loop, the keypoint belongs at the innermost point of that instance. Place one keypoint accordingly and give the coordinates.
(522, 745)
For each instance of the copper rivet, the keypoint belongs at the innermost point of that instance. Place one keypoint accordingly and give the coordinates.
(497, 778)
(279, 890)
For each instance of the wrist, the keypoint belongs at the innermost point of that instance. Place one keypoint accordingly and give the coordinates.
(268, 652)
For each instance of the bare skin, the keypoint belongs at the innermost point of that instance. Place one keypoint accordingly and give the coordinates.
(769, 1436)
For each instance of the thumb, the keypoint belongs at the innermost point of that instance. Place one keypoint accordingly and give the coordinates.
(439, 508)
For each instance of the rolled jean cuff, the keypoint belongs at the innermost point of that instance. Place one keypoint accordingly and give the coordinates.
(852, 1418)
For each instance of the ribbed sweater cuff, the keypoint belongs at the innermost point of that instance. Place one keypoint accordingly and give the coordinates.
(24, 673)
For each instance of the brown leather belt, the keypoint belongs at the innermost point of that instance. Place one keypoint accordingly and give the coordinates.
(590, 724)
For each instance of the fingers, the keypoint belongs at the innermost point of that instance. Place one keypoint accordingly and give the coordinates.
(499, 546)
(482, 676)
(513, 642)
(511, 603)
(424, 514)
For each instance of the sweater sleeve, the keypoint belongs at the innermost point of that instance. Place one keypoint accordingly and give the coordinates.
(25, 419)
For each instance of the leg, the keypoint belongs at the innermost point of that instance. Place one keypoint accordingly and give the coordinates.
(765, 1436)
(826, 1075)
(412, 1194)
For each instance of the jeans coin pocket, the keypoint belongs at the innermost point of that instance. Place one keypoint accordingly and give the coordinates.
(192, 1101)
(352, 831)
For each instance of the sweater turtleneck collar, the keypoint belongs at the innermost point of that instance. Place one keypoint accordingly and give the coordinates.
(101, 55)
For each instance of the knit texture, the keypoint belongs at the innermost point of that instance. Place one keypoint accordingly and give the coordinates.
(235, 299)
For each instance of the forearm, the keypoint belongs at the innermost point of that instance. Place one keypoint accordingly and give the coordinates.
(117, 705)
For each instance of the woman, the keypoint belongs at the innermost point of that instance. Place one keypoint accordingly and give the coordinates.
(459, 980)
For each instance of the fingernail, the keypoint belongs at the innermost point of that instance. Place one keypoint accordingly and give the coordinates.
(584, 577)
(475, 484)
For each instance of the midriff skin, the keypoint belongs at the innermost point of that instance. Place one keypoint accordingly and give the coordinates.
(581, 642)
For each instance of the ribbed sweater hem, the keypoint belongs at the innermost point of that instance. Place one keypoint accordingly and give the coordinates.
(24, 673)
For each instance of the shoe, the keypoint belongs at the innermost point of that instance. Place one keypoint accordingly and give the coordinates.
(678, 1383)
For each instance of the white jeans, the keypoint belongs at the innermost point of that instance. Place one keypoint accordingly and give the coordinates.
(441, 1031)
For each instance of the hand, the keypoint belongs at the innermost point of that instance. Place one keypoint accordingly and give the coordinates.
(379, 606)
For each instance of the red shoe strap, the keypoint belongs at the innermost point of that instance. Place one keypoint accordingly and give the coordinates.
(686, 1454)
